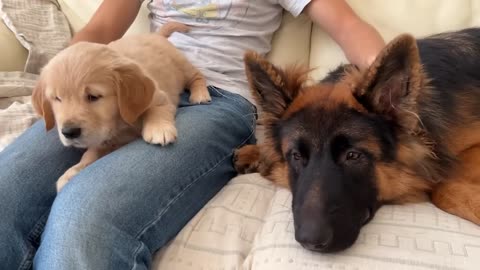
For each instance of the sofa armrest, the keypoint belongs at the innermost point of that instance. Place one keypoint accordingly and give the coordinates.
(13, 55)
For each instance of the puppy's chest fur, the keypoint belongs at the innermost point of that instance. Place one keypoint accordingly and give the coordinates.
(123, 135)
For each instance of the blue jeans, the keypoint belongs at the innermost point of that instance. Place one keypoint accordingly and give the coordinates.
(119, 210)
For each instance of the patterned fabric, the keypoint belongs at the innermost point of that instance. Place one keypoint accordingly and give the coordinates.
(16, 112)
(249, 225)
(40, 26)
(43, 30)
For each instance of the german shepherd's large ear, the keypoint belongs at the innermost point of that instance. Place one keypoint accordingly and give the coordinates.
(134, 92)
(391, 85)
(273, 88)
(41, 105)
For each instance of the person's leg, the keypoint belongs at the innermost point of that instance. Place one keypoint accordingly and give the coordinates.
(29, 168)
(116, 212)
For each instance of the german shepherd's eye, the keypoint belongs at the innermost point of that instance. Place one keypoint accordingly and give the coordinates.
(296, 155)
(353, 155)
(92, 98)
(297, 159)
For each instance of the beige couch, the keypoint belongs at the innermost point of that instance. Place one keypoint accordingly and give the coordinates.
(248, 225)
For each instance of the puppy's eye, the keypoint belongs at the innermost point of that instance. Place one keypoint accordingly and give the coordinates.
(353, 155)
(93, 98)
(58, 99)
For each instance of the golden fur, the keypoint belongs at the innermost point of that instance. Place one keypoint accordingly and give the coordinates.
(116, 92)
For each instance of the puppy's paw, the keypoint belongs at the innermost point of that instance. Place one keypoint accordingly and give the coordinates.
(162, 133)
(63, 180)
(198, 96)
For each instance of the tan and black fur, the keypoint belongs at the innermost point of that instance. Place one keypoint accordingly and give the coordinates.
(406, 129)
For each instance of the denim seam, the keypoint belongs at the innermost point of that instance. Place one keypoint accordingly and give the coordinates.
(180, 194)
(251, 125)
(136, 251)
(239, 101)
(32, 236)
(27, 259)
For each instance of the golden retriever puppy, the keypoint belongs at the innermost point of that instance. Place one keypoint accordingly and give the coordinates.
(101, 97)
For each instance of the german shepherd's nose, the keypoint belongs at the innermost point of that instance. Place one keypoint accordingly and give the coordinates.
(314, 237)
(71, 132)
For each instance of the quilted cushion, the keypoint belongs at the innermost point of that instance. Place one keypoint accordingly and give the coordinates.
(249, 225)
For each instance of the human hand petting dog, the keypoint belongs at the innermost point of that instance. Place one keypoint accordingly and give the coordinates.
(101, 97)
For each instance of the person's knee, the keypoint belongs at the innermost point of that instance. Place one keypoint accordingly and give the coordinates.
(74, 209)
(86, 205)
(81, 225)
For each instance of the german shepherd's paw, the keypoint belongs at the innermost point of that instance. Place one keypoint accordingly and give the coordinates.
(246, 159)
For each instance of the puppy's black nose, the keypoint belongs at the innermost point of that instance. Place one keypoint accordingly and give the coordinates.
(71, 132)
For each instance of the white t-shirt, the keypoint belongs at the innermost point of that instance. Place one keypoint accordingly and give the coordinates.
(221, 32)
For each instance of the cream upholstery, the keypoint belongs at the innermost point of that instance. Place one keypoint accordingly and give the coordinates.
(12, 54)
(248, 224)
(391, 18)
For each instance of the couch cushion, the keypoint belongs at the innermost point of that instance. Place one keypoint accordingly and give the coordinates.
(222, 234)
(414, 237)
(249, 225)
(291, 43)
(13, 55)
(394, 17)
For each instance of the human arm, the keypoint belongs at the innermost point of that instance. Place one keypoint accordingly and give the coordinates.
(110, 21)
(359, 40)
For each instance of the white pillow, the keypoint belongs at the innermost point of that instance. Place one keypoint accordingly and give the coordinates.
(249, 225)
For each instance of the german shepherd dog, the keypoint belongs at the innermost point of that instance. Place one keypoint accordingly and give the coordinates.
(407, 129)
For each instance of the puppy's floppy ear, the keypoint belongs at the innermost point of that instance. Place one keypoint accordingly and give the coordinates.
(42, 105)
(273, 88)
(391, 85)
(134, 92)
